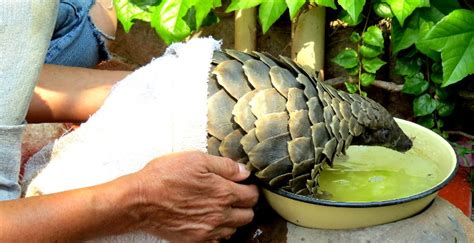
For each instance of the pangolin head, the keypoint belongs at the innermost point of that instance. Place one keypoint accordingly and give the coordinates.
(382, 131)
(390, 137)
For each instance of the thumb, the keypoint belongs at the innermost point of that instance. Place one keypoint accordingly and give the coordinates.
(228, 168)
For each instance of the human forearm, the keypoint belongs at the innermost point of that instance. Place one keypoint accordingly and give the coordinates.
(70, 216)
(70, 93)
(181, 197)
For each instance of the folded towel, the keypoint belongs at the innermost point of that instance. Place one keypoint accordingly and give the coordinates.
(158, 109)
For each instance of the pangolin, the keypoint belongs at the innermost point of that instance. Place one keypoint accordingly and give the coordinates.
(284, 124)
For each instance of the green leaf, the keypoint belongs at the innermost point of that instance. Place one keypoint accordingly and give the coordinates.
(202, 8)
(190, 18)
(438, 9)
(363, 93)
(216, 3)
(326, 3)
(425, 27)
(373, 36)
(426, 121)
(440, 123)
(241, 4)
(382, 10)
(410, 52)
(366, 79)
(347, 58)
(445, 108)
(404, 37)
(442, 93)
(404, 8)
(355, 37)
(437, 78)
(269, 12)
(415, 85)
(351, 88)
(167, 19)
(144, 3)
(353, 71)
(372, 65)
(210, 19)
(173, 20)
(127, 12)
(294, 6)
(369, 51)
(346, 18)
(408, 66)
(353, 7)
(436, 130)
(436, 67)
(424, 105)
(453, 36)
(436, 73)
(417, 26)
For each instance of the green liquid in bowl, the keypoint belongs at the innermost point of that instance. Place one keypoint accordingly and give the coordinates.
(374, 174)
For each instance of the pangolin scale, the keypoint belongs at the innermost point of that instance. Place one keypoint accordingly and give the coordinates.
(284, 124)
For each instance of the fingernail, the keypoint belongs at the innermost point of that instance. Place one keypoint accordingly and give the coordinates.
(243, 169)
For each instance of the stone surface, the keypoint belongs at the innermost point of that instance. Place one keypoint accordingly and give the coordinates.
(458, 191)
(441, 222)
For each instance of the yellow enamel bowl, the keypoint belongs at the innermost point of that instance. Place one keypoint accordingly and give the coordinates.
(325, 214)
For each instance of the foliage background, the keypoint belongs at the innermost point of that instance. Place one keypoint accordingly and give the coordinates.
(399, 41)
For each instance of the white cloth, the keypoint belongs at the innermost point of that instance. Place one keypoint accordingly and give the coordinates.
(158, 109)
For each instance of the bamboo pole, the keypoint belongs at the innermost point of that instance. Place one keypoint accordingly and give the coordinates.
(245, 30)
(307, 32)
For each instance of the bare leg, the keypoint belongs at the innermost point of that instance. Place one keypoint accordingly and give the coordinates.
(71, 94)
(104, 17)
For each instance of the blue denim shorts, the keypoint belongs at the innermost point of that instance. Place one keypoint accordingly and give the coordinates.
(76, 41)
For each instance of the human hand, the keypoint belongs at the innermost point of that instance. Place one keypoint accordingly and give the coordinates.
(194, 197)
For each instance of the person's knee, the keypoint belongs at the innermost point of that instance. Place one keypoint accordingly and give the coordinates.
(82, 30)
(104, 17)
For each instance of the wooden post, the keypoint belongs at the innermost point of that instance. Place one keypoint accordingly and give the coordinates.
(245, 30)
(307, 32)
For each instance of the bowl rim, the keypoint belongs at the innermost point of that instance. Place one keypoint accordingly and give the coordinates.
(324, 202)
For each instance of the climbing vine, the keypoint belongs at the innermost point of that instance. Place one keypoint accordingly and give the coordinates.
(365, 61)
(433, 43)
